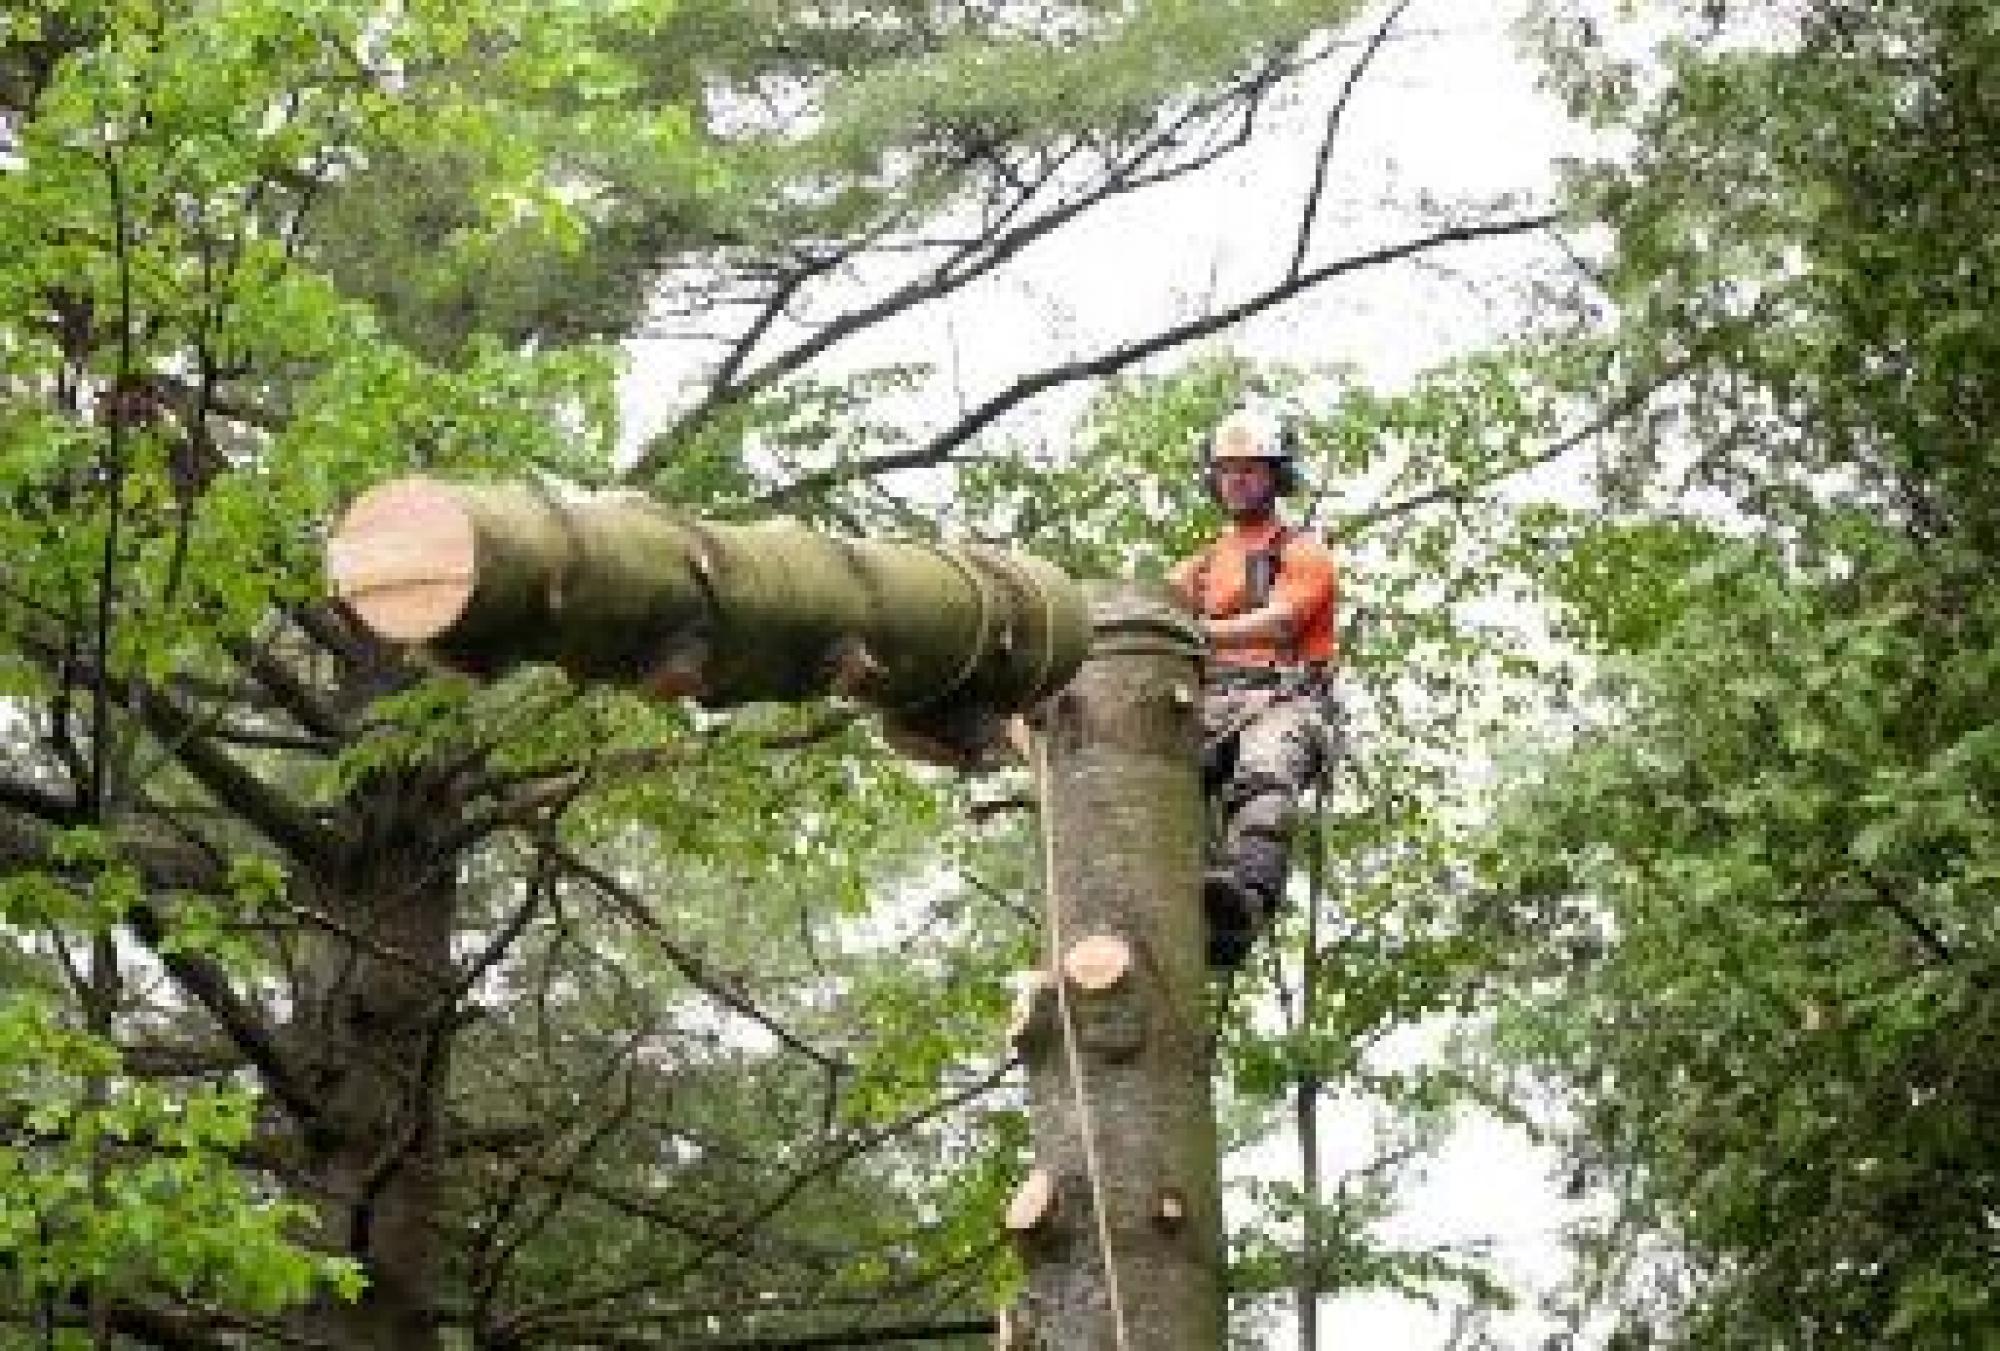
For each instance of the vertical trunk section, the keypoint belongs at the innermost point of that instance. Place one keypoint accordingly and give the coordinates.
(1130, 1162)
(376, 1022)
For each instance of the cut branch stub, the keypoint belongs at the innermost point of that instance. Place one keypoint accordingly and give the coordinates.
(1109, 1014)
(1032, 1211)
(1099, 963)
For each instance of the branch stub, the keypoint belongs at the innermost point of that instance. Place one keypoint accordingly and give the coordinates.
(1033, 1208)
(1099, 963)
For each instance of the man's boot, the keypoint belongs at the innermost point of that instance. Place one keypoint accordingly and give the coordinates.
(1240, 897)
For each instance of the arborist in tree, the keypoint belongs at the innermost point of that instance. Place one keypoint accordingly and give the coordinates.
(1265, 594)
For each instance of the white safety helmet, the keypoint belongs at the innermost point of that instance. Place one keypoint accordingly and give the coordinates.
(1249, 434)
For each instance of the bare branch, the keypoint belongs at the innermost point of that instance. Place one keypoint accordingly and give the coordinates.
(941, 448)
(556, 1313)
(1465, 489)
(892, 1334)
(984, 253)
(294, 695)
(269, 811)
(36, 801)
(686, 962)
(1927, 937)
(1309, 217)
(208, 984)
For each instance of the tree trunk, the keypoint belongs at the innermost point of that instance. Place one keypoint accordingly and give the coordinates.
(1123, 1001)
(617, 587)
(375, 1026)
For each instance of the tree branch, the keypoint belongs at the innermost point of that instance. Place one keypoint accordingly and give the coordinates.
(1464, 489)
(27, 844)
(264, 808)
(875, 1336)
(687, 963)
(34, 800)
(294, 695)
(981, 255)
(554, 1313)
(208, 984)
(1309, 216)
(939, 450)
(1926, 935)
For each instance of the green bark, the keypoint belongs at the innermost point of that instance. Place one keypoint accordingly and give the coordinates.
(943, 639)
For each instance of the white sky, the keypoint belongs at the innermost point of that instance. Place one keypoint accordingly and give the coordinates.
(1449, 114)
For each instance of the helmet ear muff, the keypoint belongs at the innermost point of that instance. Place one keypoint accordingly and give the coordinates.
(1290, 480)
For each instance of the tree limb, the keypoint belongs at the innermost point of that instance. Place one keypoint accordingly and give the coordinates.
(263, 807)
(1464, 489)
(208, 984)
(860, 1336)
(554, 1313)
(1309, 216)
(940, 449)
(979, 256)
(693, 968)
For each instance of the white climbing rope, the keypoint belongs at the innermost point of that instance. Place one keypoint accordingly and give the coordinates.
(1092, 1169)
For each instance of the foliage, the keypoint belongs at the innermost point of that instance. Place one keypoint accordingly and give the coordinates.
(565, 1018)
(1753, 892)
(133, 1187)
(1419, 489)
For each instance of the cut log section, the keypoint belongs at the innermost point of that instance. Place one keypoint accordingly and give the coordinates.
(946, 640)
(405, 559)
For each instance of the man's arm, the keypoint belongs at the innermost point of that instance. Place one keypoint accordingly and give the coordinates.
(1271, 623)
(1305, 587)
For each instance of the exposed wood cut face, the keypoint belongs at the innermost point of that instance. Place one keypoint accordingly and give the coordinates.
(405, 559)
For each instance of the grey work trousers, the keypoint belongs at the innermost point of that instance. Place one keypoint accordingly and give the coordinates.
(1262, 749)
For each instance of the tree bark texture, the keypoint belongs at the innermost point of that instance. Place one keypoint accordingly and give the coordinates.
(1123, 816)
(944, 639)
(373, 1030)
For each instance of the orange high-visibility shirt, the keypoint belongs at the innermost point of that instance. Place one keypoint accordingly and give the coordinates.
(1216, 582)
